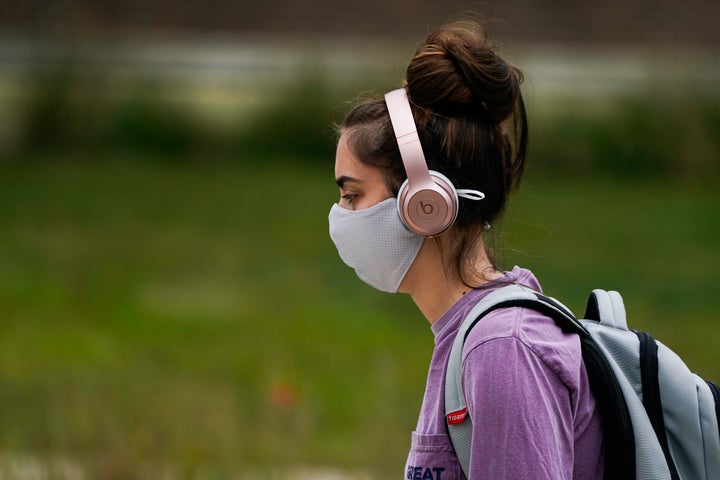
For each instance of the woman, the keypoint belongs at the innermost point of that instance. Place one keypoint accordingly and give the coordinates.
(533, 414)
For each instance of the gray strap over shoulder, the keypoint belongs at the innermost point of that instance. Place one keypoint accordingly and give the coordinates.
(459, 422)
(605, 310)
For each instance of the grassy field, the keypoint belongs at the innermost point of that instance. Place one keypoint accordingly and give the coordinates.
(194, 320)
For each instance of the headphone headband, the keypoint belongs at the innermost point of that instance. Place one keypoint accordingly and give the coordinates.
(407, 138)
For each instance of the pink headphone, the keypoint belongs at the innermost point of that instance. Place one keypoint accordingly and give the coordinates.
(427, 200)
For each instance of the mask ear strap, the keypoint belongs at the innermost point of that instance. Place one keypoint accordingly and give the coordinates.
(473, 195)
(470, 194)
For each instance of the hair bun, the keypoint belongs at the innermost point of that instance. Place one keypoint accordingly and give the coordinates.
(457, 67)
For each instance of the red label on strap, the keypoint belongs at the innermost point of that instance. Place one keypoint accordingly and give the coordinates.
(454, 418)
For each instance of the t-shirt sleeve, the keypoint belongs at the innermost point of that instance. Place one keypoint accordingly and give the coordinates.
(521, 413)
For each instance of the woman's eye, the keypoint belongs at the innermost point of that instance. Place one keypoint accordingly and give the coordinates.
(348, 198)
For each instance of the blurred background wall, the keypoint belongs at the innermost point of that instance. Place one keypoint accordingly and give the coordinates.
(658, 23)
(170, 304)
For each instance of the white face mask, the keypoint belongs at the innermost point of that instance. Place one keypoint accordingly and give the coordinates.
(375, 243)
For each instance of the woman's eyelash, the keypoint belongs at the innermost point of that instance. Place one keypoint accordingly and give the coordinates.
(349, 197)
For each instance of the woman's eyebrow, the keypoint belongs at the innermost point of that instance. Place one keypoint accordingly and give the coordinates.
(341, 180)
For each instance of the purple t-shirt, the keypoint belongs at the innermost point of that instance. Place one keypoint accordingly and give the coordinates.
(527, 391)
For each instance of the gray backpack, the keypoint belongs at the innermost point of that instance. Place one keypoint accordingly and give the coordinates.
(660, 420)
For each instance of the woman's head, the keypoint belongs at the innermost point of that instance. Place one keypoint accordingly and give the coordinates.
(471, 121)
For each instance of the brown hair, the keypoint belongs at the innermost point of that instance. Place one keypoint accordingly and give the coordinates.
(472, 125)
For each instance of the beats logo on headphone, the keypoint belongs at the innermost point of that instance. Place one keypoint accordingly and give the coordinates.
(427, 200)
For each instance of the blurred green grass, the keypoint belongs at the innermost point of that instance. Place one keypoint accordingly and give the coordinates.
(195, 315)
(171, 305)
(157, 313)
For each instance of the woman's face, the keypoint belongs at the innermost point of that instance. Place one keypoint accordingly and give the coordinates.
(361, 186)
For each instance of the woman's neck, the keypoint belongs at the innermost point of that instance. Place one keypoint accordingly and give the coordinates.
(432, 285)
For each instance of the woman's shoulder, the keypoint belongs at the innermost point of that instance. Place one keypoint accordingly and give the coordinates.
(534, 329)
(519, 330)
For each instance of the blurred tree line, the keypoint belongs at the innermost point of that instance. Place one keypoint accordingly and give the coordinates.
(647, 133)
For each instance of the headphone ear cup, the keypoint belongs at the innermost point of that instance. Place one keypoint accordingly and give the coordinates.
(429, 211)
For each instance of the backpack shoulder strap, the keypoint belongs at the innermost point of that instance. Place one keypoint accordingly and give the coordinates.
(620, 453)
(459, 422)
